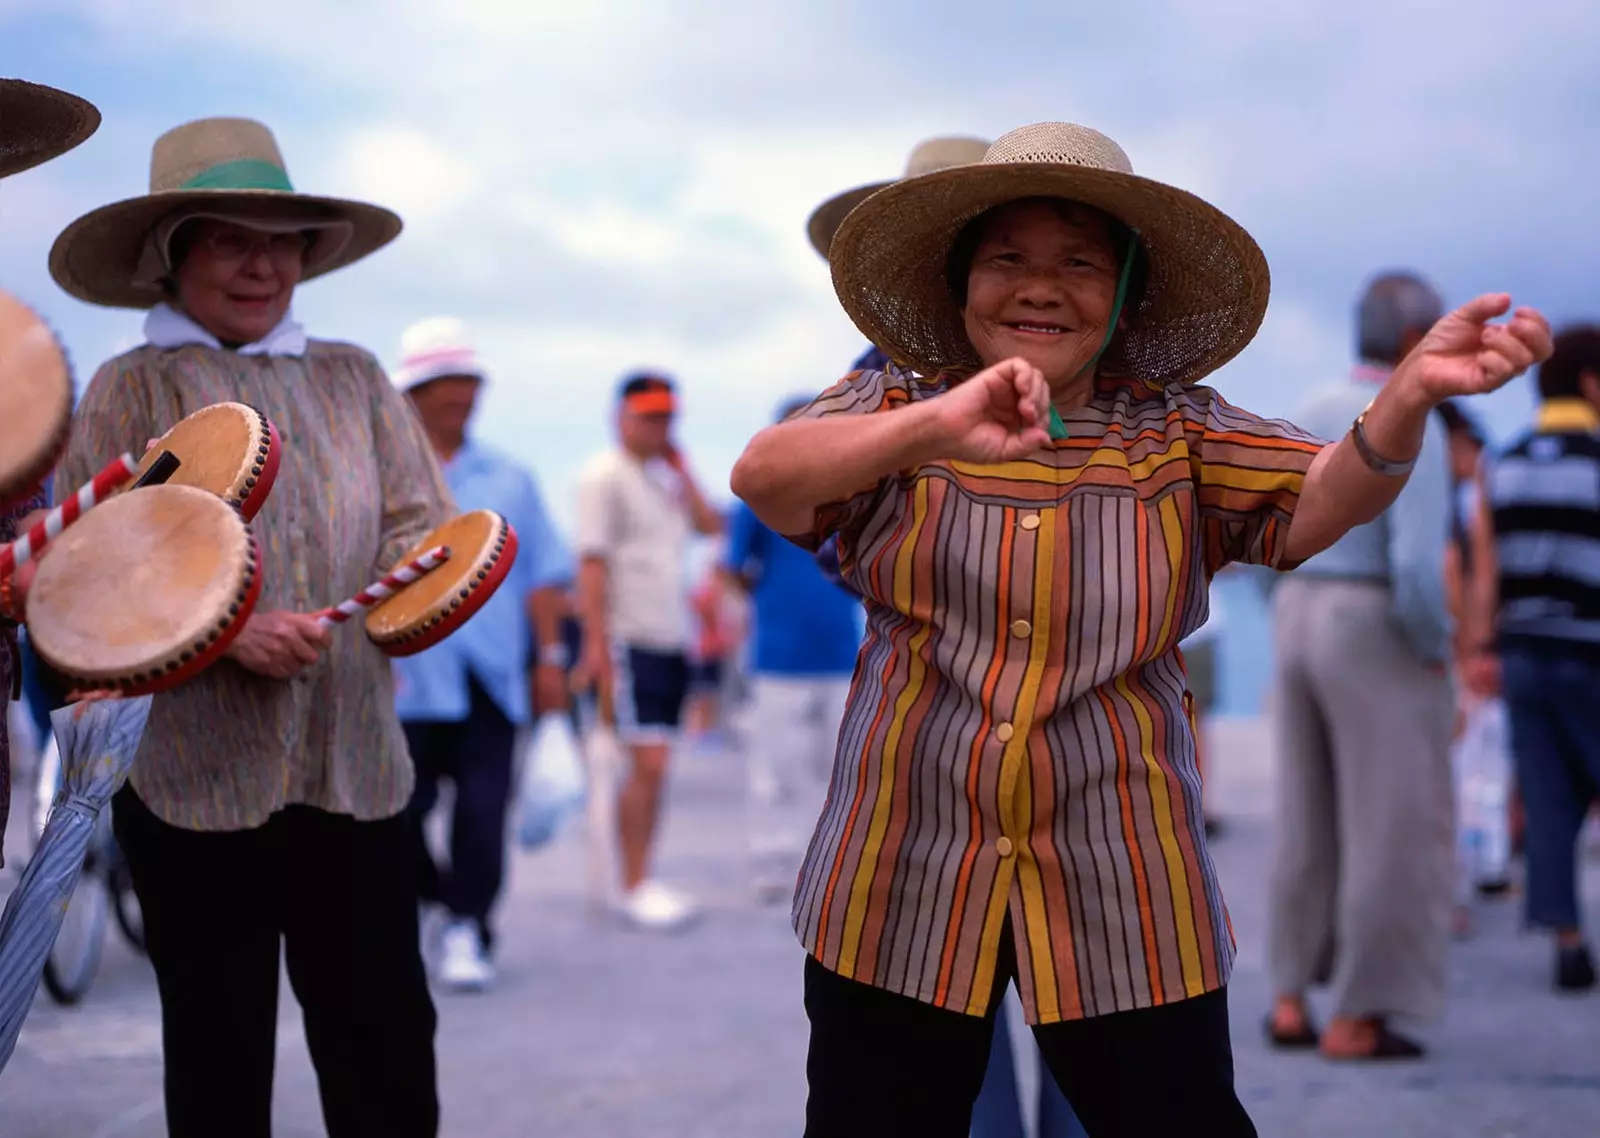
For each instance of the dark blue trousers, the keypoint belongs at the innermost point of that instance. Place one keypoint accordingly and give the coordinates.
(475, 754)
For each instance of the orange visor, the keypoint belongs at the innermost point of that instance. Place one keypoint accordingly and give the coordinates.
(651, 403)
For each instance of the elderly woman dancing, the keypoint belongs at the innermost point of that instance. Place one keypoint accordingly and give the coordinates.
(1032, 500)
(265, 815)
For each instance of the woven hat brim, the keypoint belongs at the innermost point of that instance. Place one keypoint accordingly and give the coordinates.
(1204, 299)
(38, 123)
(96, 257)
(827, 217)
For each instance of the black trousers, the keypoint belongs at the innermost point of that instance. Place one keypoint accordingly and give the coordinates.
(882, 1063)
(476, 755)
(339, 896)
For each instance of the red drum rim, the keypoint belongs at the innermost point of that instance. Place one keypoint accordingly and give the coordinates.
(478, 585)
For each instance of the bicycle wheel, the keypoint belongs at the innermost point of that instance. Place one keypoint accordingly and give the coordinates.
(124, 902)
(75, 957)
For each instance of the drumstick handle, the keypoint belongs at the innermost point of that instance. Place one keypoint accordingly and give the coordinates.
(96, 490)
(386, 587)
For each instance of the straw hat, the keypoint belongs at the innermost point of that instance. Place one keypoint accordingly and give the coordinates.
(929, 155)
(217, 167)
(1205, 292)
(37, 123)
(434, 348)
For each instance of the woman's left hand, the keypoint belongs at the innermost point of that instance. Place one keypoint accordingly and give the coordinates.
(1464, 354)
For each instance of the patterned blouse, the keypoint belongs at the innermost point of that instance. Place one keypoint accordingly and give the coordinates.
(10, 661)
(358, 485)
(1019, 741)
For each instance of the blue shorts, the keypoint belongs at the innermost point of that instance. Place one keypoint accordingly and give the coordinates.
(651, 688)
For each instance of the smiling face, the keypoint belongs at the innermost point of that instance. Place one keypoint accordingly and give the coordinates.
(1041, 285)
(235, 282)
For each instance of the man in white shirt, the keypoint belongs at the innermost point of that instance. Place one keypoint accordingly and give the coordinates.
(638, 507)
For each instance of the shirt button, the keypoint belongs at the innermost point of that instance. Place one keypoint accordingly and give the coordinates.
(1031, 522)
(1004, 732)
(1021, 628)
(1004, 848)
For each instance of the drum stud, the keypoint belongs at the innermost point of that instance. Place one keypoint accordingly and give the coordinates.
(455, 603)
(465, 593)
(185, 656)
(482, 574)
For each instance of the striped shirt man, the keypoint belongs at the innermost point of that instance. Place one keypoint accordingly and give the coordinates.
(1545, 494)
(1019, 740)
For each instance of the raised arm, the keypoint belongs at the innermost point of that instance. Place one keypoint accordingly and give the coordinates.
(841, 446)
(1463, 354)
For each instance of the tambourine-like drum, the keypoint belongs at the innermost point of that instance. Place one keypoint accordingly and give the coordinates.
(35, 400)
(230, 449)
(482, 547)
(145, 591)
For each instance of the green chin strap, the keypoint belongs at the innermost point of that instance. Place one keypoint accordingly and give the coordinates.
(1058, 429)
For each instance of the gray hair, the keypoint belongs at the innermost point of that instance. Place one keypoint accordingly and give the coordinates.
(1394, 304)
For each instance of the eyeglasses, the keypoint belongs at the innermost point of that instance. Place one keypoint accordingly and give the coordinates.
(235, 245)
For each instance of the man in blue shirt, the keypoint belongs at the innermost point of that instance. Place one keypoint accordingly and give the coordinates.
(463, 701)
(807, 633)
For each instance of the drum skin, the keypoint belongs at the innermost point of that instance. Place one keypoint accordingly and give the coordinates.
(35, 401)
(483, 547)
(145, 591)
(230, 449)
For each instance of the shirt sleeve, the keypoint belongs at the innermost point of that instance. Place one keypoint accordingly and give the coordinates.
(1248, 474)
(599, 520)
(859, 393)
(1418, 525)
(116, 415)
(540, 550)
(415, 496)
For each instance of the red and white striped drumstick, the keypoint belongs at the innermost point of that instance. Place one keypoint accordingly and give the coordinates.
(388, 587)
(97, 489)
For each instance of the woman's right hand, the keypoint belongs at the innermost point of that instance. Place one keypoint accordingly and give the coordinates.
(279, 644)
(999, 415)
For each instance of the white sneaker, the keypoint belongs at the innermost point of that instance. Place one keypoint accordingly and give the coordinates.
(465, 966)
(655, 907)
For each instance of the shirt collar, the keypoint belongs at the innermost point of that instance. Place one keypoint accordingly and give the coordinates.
(166, 327)
(1567, 415)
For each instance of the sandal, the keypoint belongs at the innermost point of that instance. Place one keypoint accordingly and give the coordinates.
(1303, 1040)
(1389, 1045)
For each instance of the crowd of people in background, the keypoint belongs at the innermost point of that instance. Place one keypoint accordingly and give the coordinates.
(1436, 654)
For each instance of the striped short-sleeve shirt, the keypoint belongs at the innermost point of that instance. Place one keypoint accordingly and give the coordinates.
(1019, 741)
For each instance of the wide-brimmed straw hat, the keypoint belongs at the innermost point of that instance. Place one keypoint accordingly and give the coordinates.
(216, 167)
(434, 348)
(38, 122)
(1205, 290)
(927, 156)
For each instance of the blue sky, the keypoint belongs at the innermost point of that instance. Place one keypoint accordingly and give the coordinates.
(601, 185)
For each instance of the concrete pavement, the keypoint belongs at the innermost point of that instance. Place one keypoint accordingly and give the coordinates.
(597, 1031)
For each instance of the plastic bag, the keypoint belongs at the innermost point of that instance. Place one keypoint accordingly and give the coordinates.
(1482, 760)
(551, 790)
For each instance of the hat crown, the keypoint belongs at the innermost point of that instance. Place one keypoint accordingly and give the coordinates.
(435, 334)
(1059, 143)
(933, 154)
(188, 151)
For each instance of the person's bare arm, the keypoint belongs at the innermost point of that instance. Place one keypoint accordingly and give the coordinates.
(792, 468)
(706, 520)
(1462, 354)
(593, 584)
(1341, 491)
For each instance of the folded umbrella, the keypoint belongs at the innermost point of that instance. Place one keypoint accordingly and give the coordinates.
(97, 742)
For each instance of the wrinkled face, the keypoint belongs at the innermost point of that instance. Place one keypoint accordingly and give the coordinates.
(445, 405)
(237, 283)
(1042, 284)
(646, 433)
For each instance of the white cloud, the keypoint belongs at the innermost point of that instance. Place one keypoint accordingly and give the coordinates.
(605, 184)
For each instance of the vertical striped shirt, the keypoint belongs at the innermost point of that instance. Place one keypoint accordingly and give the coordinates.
(1545, 496)
(358, 486)
(1019, 740)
